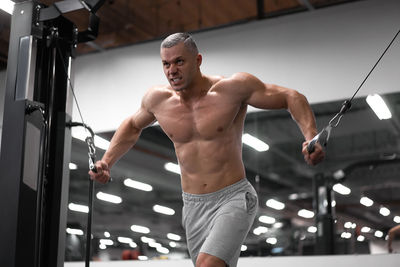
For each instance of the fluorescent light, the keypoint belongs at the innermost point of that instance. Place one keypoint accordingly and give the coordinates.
(174, 237)
(163, 210)
(162, 250)
(396, 219)
(79, 208)
(266, 219)
(125, 240)
(154, 245)
(305, 213)
(73, 166)
(109, 198)
(378, 234)
(145, 239)
(7, 6)
(312, 229)
(384, 211)
(107, 234)
(260, 230)
(254, 142)
(272, 203)
(366, 201)
(341, 189)
(101, 143)
(142, 258)
(107, 242)
(379, 106)
(360, 238)
(172, 244)
(102, 246)
(243, 248)
(140, 229)
(339, 174)
(333, 203)
(271, 240)
(348, 225)
(365, 229)
(345, 235)
(72, 231)
(278, 225)
(172, 167)
(132, 244)
(138, 185)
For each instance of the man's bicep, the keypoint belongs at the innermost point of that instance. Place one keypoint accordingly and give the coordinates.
(142, 118)
(266, 96)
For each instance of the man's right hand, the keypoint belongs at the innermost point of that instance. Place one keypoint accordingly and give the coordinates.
(103, 172)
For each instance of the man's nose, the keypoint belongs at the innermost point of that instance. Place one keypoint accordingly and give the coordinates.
(173, 69)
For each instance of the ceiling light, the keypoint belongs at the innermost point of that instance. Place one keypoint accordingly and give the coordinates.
(172, 167)
(341, 189)
(72, 231)
(107, 242)
(384, 211)
(379, 106)
(7, 6)
(272, 203)
(260, 230)
(365, 229)
(109, 198)
(172, 244)
(312, 229)
(154, 245)
(125, 240)
(146, 239)
(378, 234)
(360, 238)
(339, 174)
(73, 166)
(142, 258)
(366, 201)
(107, 234)
(79, 208)
(333, 203)
(163, 210)
(140, 229)
(396, 219)
(243, 248)
(348, 225)
(102, 246)
(345, 235)
(278, 225)
(162, 250)
(174, 237)
(271, 240)
(254, 142)
(132, 244)
(266, 219)
(305, 213)
(138, 185)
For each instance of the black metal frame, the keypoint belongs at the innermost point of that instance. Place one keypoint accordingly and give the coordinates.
(36, 144)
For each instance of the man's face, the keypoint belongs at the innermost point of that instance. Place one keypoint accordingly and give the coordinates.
(180, 66)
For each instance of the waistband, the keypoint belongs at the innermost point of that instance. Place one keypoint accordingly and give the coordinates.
(187, 197)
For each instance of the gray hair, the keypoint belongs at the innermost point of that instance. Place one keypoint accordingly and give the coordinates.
(179, 37)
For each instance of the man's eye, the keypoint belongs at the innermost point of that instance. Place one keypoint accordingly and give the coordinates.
(179, 62)
(166, 64)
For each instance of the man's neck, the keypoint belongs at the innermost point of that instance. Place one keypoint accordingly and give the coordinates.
(197, 89)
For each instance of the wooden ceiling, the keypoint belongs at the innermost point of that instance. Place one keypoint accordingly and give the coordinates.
(126, 22)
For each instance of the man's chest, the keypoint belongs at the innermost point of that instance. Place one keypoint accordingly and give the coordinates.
(204, 119)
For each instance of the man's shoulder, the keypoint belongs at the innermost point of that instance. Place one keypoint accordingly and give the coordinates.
(156, 94)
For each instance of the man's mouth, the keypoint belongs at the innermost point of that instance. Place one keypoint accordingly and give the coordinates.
(176, 80)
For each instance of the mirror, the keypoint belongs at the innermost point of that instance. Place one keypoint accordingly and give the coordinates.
(359, 178)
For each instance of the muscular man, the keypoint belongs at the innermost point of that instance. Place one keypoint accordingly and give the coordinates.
(204, 116)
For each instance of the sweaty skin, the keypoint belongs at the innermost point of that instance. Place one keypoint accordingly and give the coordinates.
(204, 117)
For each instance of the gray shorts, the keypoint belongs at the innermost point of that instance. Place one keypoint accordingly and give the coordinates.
(217, 223)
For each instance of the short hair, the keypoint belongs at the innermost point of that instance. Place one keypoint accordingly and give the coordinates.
(179, 37)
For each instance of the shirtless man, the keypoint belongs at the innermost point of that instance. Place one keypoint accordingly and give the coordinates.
(204, 116)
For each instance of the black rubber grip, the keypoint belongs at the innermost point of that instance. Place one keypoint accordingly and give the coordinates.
(311, 146)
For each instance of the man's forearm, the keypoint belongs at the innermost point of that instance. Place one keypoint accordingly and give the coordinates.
(124, 138)
(301, 112)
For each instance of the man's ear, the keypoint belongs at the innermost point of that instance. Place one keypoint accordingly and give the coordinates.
(199, 59)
